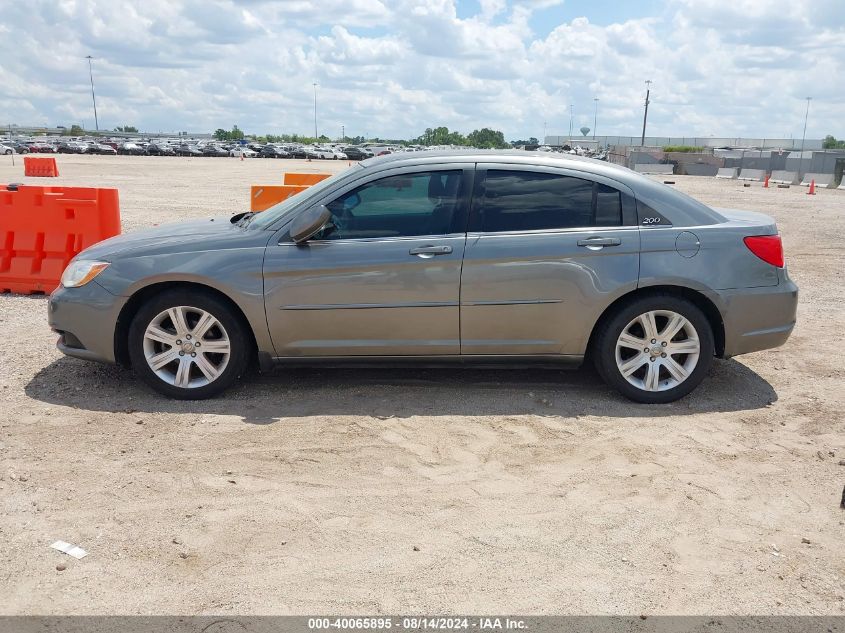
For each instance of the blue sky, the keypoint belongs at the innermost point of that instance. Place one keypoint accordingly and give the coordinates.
(394, 67)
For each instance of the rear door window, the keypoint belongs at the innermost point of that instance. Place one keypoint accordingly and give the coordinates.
(532, 201)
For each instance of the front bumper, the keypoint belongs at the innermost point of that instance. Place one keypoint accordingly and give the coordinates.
(759, 318)
(85, 320)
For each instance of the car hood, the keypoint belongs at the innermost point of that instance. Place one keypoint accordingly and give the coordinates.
(196, 235)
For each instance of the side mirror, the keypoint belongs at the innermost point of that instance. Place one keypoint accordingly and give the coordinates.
(307, 224)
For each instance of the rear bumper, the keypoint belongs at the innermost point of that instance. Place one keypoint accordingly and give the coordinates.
(758, 318)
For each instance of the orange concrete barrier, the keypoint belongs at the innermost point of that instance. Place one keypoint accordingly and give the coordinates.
(265, 196)
(43, 228)
(40, 166)
(304, 180)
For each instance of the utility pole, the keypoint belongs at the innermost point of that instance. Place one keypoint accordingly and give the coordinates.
(315, 112)
(571, 114)
(595, 116)
(343, 133)
(645, 115)
(804, 134)
(94, 101)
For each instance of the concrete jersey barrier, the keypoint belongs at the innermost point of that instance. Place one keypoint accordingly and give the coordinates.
(654, 168)
(822, 180)
(752, 174)
(698, 169)
(726, 172)
(784, 177)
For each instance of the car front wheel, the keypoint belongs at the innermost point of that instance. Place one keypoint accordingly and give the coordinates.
(188, 344)
(655, 349)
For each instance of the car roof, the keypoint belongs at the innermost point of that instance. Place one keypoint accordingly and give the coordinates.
(549, 159)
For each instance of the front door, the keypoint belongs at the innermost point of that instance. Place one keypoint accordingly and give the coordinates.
(383, 277)
(547, 250)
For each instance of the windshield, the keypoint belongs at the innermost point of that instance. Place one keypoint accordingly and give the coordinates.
(266, 218)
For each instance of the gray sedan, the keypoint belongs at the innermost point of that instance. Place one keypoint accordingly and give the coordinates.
(439, 258)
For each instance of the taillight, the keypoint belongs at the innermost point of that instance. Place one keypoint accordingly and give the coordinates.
(769, 248)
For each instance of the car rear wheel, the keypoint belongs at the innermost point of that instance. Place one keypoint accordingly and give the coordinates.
(655, 349)
(188, 345)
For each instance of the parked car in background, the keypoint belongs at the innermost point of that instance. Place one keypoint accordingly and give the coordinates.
(355, 153)
(20, 148)
(131, 149)
(7, 149)
(188, 150)
(160, 149)
(557, 259)
(271, 151)
(321, 152)
(213, 150)
(42, 147)
(242, 150)
(71, 147)
(101, 148)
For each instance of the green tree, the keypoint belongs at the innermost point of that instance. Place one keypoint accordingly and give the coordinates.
(485, 138)
(440, 136)
(126, 128)
(234, 134)
(830, 142)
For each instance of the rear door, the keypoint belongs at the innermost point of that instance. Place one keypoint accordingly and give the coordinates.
(547, 250)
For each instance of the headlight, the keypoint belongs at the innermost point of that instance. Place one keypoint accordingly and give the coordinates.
(80, 272)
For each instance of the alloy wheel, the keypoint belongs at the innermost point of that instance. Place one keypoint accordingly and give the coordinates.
(657, 350)
(186, 347)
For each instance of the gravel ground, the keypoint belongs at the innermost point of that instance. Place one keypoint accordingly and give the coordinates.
(367, 491)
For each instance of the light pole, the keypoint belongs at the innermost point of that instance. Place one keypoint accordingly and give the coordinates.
(645, 115)
(94, 101)
(595, 116)
(343, 133)
(804, 134)
(315, 112)
(571, 114)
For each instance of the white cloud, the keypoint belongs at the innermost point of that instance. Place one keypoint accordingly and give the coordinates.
(393, 68)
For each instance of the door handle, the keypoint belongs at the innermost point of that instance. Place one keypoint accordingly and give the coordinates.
(597, 243)
(430, 251)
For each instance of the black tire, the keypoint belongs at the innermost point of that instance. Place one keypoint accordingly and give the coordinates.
(241, 345)
(604, 347)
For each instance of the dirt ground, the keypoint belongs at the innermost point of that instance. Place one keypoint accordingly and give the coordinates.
(374, 491)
